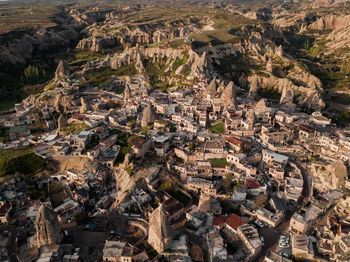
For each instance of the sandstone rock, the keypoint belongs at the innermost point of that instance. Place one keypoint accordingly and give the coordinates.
(279, 51)
(243, 82)
(221, 87)
(211, 88)
(61, 122)
(127, 159)
(159, 233)
(147, 116)
(329, 176)
(47, 227)
(145, 92)
(61, 71)
(287, 95)
(269, 66)
(127, 93)
(228, 97)
(254, 87)
(309, 93)
(84, 105)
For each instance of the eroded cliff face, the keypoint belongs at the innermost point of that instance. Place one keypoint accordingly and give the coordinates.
(22, 49)
(196, 64)
(304, 93)
(70, 21)
(330, 22)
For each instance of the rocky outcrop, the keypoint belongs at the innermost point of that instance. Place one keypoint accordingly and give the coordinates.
(307, 93)
(228, 97)
(330, 22)
(340, 35)
(196, 64)
(254, 87)
(43, 40)
(47, 227)
(127, 93)
(96, 44)
(279, 51)
(211, 88)
(287, 96)
(159, 233)
(61, 122)
(85, 106)
(221, 87)
(329, 176)
(269, 66)
(147, 116)
(62, 71)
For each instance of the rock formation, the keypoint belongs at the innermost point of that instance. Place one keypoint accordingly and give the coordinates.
(254, 87)
(61, 122)
(159, 233)
(147, 116)
(287, 96)
(47, 227)
(221, 87)
(340, 36)
(211, 88)
(84, 105)
(279, 51)
(308, 91)
(145, 92)
(329, 176)
(228, 97)
(269, 65)
(61, 71)
(127, 93)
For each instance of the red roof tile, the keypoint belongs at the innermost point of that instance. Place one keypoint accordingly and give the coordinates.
(252, 183)
(235, 221)
(218, 221)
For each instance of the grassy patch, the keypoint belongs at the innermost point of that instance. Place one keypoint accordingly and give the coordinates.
(24, 16)
(125, 148)
(103, 77)
(180, 61)
(175, 193)
(217, 129)
(129, 170)
(218, 162)
(269, 92)
(214, 37)
(22, 160)
(75, 128)
(4, 134)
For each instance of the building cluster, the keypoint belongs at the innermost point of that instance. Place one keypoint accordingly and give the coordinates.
(148, 157)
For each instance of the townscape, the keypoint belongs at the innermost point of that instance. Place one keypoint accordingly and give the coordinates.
(204, 168)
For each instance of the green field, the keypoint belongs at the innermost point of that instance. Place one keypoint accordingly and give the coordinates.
(217, 129)
(23, 16)
(22, 160)
(218, 162)
(75, 128)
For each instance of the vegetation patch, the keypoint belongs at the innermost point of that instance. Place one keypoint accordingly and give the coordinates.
(269, 92)
(175, 193)
(218, 162)
(217, 129)
(74, 128)
(22, 160)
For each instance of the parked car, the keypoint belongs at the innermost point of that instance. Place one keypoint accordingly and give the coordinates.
(260, 224)
(283, 245)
